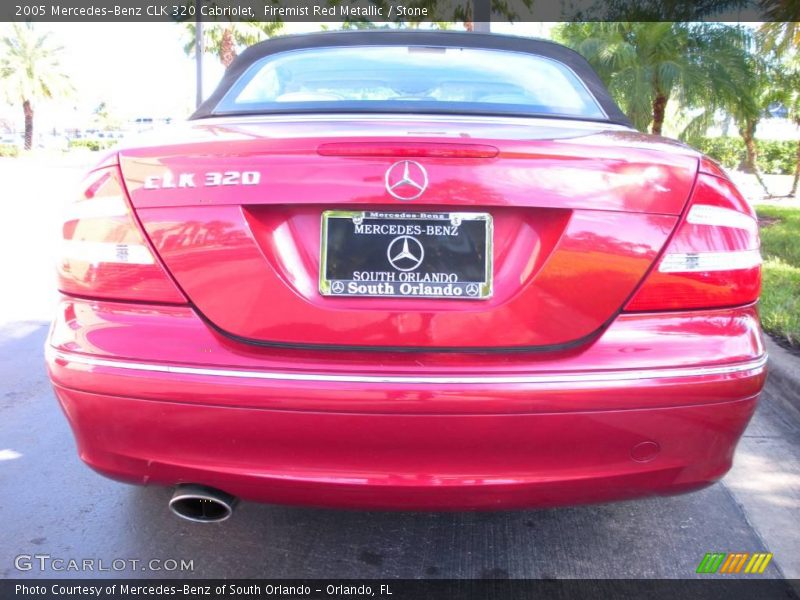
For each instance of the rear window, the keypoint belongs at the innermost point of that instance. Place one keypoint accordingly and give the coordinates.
(410, 79)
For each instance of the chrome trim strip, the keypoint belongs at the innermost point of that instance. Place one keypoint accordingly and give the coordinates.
(604, 376)
(564, 123)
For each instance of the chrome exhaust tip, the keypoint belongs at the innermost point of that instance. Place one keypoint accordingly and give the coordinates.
(201, 504)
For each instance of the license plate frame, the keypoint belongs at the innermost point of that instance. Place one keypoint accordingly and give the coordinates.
(399, 277)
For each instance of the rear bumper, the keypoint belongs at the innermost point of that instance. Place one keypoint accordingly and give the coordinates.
(408, 461)
(500, 435)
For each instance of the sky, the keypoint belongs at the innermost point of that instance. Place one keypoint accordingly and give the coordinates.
(138, 69)
(141, 69)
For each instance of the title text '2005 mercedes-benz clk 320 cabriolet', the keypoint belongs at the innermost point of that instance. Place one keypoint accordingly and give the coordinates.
(408, 270)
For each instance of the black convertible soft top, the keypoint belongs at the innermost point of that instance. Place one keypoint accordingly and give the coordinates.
(388, 37)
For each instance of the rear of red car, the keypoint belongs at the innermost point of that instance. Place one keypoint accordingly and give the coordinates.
(403, 308)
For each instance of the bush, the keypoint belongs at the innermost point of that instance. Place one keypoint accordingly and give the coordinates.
(93, 145)
(777, 157)
(9, 150)
(727, 151)
(773, 157)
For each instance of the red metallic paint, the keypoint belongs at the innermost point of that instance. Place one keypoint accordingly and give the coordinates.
(540, 164)
(544, 259)
(404, 445)
(370, 460)
(565, 199)
(581, 213)
(633, 342)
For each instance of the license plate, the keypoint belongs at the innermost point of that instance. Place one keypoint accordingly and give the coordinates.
(406, 254)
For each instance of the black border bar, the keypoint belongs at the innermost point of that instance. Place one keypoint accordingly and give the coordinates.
(397, 11)
(400, 589)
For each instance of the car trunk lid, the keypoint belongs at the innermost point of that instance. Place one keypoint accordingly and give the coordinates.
(578, 211)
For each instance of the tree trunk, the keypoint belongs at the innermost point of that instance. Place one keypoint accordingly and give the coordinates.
(748, 132)
(659, 108)
(468, 20)
(28, 110)
(227, 49)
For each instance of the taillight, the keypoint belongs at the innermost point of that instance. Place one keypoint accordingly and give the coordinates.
(104, 254)
(712, 260)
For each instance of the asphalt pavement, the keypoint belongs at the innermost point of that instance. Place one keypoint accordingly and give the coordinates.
(53, 505)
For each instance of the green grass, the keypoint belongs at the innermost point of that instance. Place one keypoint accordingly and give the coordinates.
(780, 296)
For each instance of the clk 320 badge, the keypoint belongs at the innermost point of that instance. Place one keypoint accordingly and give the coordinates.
(210, 179)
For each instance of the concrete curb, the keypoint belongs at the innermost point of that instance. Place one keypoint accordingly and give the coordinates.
(784, 375)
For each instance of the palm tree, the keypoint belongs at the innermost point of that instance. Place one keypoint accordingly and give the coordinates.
(747, 99)
(30, 71)
(223, 39)
(780, 36)
(782, 39)
(789, 97)
(646, 65)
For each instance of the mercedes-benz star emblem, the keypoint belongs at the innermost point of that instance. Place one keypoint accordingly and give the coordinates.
(473, 289)
(405, 253)
(406, 180)
(337, 287)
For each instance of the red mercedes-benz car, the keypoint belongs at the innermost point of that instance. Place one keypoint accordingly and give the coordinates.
(408, 270)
